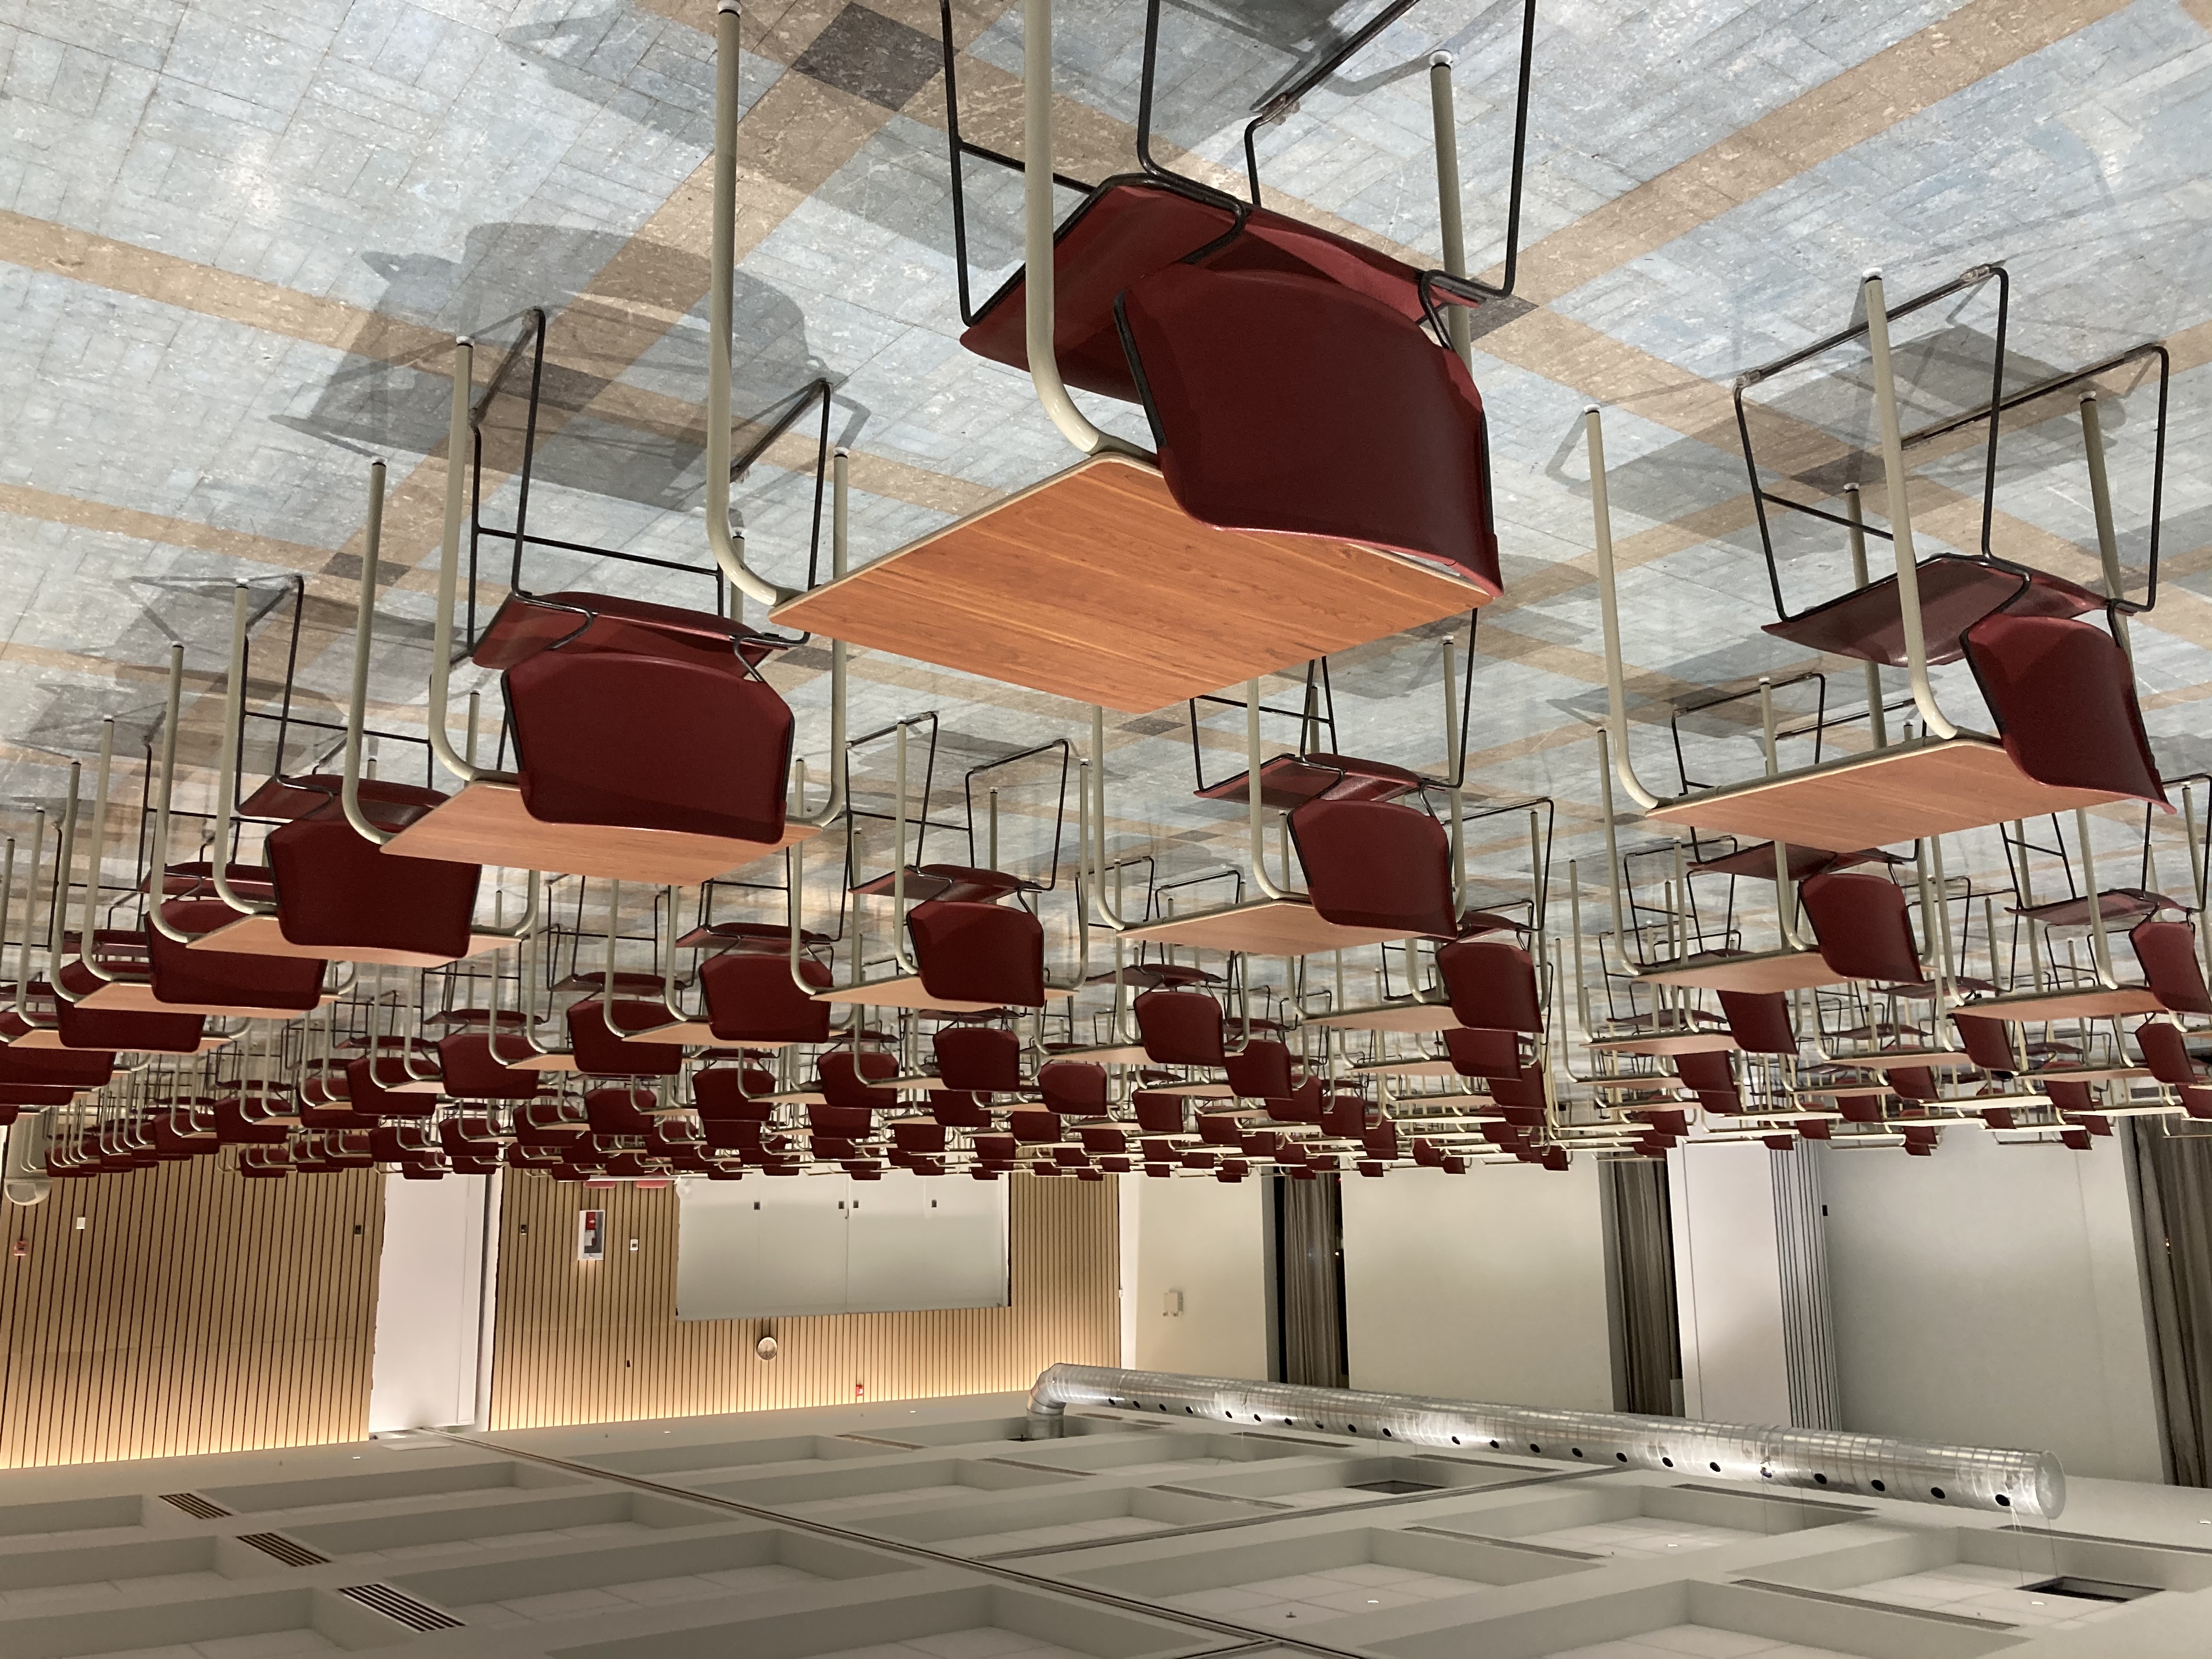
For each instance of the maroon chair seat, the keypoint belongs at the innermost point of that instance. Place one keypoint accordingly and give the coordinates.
(847, 1078)
(763, 936)
(750, 997)
(1034, 1127)
(1378, 864)
(2063, 693)
(1132, 226)
(1988, 1042)
(946, 881)
(118, 1027)
(601, 1052)
(2166, 1055)
(367, 1097)
(2167, 953)
(624, 740)
(334, 889)
(619, 1111)
(1863, 928)
(1292, 404)
(1077, 1087)
(1179, 1028)
(1956, 591)
(974, 951)
(527, 623)
(225, 979)
(13, 1095)
(1493, 985)
(472, 1071)
(1290, 780)
(957, 1110)
(1161, 1114)
(64, 1068)
(1262, 1071)
(1759, 1021)
(1477, 1052)
(732, 1094)
(978, 1059)
(918, 1136)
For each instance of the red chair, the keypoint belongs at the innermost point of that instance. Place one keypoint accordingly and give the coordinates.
(1368, 432)
(1379, 864)
(2170, 1062)
(337, 891)
(978, 1059)
(750, 997)
(602, 1051)
(1760, 1022)
(2167, 953)
(1477, 1051)
(620, 739)
(1261, 1072)
(223, 979)
(2063, 693)
(1956, 592)
(123, 1029)
(471, 1070)
(979, 950)
(1863, 928)
(1180, 1028)
(1493, 985)
(1988, 1042)
(1135, 225)
(847, 1078)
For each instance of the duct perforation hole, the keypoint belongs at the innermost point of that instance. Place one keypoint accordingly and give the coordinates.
(2004, 1503)
(1880, 1486)
(1620, 1457)
(1820, 1479)
(1936, 1492)
(1576, 1450)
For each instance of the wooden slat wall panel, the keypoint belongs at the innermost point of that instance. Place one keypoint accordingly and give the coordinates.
(600, 1342)
(193, 1312)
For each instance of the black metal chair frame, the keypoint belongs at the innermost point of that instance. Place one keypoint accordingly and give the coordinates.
(1999, 405)
(1277, 107)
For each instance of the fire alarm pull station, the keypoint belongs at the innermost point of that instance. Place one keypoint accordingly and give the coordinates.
(591, 1235)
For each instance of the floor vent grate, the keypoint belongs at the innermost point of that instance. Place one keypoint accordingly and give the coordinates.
(2091, 1589)
(416, 1615)
(284, 1549)
(193, 1504)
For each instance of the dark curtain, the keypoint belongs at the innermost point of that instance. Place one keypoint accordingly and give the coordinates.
(1644, 1250)
(1309, 1283)
(2175, 1192)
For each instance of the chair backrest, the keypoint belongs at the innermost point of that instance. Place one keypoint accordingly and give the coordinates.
(1864, 930)
(732, 1094)
(225, 978)
(601, 1052)
(1034, 1127)
(1477, 1052)
(2063, 693)
(1988, 1044)
(1179, 1028)
(848, 1077)
(628, 741)
(470, 1071)
(1132, 226)
(971, 951)
(2168, 951)
(2165, 1054)
(337, 890)
(751, 999)
(1291, 404)
(1262, 1071)
(1159, 1113)
(1706, 1070)
(1376, 864)
(1493, 985)
(1760, 1022)
(1075, 1086)
(127, 1028)
(618, 1111)
(973, 1058)
(957, 1109)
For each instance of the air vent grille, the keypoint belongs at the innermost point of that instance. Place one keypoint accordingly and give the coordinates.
(416, 1615)
(284, 1549)
(193, 1504)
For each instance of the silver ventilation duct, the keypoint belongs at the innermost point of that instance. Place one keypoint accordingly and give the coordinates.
(1965, 1477)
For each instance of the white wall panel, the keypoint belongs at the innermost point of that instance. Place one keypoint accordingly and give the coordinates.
(828, 1244)
(1727, 1283)
(427, 1312)
(1487, 1287)
(1991, 1295)
(1206, 1240)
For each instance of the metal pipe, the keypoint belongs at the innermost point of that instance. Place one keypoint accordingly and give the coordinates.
(1037, 240)
(30, 911)
(722, 258)
(1785, 890)
(1448, 206)
(57, 912)
(2024, 1483)
(459, 445)
(2100, 941)
(1900, 512)
(226, 762)
(2100, 503)
(364, 629)
(834, 807)
(1876, 720)
(1109, 913)
(1612, 847)
(1609, 610)
(1455, 795)
(1252, 790)
(900, 959)
(85, 939)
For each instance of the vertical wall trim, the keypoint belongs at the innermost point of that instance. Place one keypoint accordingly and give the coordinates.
(1808, 1324)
